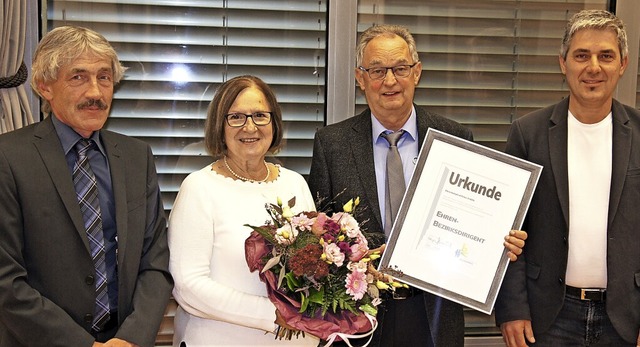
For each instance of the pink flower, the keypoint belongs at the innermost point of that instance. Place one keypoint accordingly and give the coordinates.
(333, 254)
(356, 284)
(358, 251)
(302, 221)
(359, 266)
(318, 226)
(347, 223)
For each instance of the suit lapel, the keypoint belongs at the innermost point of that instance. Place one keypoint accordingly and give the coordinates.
(118, 182)
(622, 144)
(48, 146)
(361, 145)
(423, 124)
(558, 154)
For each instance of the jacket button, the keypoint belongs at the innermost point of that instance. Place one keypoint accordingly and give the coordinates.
(89, 280)
(88, 318)
(561, 280)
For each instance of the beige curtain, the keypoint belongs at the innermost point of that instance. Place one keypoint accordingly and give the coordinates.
(14, 106)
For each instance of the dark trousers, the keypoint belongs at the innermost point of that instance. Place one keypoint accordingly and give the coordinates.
(581, 323)
(401, 323)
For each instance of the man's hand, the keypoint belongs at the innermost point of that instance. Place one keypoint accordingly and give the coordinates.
(514, 242)
(118, 343)
(515, 332)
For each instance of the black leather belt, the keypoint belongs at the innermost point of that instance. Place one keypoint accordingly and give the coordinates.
(591, 294)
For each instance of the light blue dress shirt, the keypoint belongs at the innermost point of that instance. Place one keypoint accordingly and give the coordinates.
(407, 146)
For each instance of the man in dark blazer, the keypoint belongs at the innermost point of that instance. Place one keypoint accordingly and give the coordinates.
(578, 282)
(47, 274)
(344, 167)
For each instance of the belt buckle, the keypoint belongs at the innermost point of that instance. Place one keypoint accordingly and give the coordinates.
(401, 293)
(398, 296)
(584, 294)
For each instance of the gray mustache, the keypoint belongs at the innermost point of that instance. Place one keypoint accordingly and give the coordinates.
(91, 103)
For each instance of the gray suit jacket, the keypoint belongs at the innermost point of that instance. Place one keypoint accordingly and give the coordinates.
(46, 298)
(343, 162)
(533, 288)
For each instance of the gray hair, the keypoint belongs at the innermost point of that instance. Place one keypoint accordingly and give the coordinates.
(595, 19)
(387, 30)
(61, 46)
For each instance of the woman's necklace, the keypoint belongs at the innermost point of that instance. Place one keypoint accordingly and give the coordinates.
(242, 178)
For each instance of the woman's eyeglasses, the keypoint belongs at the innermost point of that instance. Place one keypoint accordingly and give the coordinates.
(237, 119)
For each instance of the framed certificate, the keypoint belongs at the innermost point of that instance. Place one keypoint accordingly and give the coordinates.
(463, 198)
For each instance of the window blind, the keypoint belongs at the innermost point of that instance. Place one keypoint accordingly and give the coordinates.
(179, 52)
(485, 63)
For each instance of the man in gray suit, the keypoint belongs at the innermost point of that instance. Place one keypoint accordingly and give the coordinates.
(83, 248)
(578, 283)
(349, 161)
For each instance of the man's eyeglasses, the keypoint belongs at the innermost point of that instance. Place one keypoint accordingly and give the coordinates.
(237, 119)
(378, 73)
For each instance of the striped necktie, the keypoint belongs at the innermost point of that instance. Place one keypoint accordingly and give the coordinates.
(86, 186)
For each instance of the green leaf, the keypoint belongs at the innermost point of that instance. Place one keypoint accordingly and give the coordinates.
(292, 281)
(317, 296)
(367, 308)
(304, 303)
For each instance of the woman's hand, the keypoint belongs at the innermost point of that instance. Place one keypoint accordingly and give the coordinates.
(284, 330)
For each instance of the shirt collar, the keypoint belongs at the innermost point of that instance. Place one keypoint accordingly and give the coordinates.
(68, 137)
(410, 127)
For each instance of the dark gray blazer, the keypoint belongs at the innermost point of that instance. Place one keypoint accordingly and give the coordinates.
(45, 262)
(533, 288)
(343, 160)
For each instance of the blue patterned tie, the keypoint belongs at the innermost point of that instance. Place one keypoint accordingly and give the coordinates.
(87, 193)
(395, 185)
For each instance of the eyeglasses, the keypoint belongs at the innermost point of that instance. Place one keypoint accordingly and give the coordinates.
(237, 119)
(378, 73)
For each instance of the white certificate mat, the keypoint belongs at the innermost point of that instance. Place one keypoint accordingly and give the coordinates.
(462, 200)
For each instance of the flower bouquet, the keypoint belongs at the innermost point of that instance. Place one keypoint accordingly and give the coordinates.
(318, 271)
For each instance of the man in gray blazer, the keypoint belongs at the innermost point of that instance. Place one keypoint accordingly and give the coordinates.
(54, 289)
(349, 161)
(578, 283)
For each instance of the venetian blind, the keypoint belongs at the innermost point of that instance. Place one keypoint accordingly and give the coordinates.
(485, 62)
(178, 53)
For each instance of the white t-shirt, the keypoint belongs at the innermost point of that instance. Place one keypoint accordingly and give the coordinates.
(589, 156)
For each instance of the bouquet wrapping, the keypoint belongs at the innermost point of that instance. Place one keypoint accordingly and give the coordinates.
(317, 270)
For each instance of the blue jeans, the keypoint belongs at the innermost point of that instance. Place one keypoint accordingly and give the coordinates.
(581, 323)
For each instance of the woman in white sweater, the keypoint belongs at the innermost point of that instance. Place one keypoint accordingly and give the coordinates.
(220, 302)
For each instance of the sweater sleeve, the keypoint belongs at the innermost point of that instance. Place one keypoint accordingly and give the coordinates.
(191, 242)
